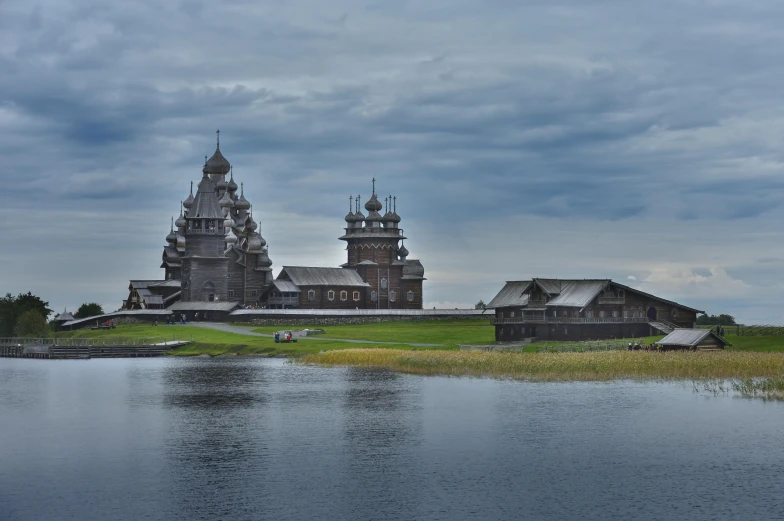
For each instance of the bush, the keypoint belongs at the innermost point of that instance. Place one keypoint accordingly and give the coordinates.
(31, 324)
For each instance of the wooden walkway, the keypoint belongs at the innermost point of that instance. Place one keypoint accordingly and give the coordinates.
(84, 348)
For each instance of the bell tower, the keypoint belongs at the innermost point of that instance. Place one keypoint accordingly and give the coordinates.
(375, 252)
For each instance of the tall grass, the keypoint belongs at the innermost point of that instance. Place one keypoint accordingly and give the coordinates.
(595, 366)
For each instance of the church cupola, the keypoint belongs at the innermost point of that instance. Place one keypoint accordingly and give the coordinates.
(373, 205)
(242, 203)
(217, 165)
(226, 201)
(172, 237)
(402, 252)
(232, 186)
(359, 217)
(187, 203)
(180, 222)
(394, 217)
(350, 215)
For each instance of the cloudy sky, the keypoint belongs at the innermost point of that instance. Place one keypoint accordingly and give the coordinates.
(634, 140)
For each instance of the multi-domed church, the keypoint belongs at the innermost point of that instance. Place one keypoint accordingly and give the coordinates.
(215, 258)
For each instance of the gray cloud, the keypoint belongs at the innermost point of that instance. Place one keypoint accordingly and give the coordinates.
(537, 138)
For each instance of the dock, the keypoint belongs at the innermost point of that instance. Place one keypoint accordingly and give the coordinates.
(85, 348)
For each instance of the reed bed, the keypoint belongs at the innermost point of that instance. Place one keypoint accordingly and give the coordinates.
(546, 367)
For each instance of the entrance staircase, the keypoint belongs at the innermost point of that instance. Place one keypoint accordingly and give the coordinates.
(663, 326)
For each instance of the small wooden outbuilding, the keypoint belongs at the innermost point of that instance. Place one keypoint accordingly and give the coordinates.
(692, 339)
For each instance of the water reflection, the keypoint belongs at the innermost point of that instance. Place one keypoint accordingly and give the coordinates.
(215, 434)
(171, 439)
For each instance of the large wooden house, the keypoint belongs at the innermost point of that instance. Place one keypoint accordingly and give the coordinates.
(574, 309)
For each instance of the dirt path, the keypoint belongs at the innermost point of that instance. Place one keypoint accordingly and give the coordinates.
(240, 330)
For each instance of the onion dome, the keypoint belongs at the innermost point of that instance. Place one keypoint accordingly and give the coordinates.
(226, 201)
(180, 222)
(264, 260)
(221, 184)
(350, 215)
(217, 164)
(232, 186)
(187, 203)
(172, 237)
(242, 203)
(252, 225)
(228, 222)
(230, 237)
(373, 204)
(255, 243)
(402, 251)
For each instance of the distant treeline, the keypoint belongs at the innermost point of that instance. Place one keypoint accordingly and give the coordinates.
(714, 320)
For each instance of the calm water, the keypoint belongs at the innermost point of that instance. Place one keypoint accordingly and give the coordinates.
(175, 439)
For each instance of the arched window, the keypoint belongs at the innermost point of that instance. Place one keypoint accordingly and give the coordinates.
(410, 296)
(208, 289)
(373, 296)
(344, 295)
(383, 283)
(392, 296)
(331, 295)
(356, 296)
(311, 294)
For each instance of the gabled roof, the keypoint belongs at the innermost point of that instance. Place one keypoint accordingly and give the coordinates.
(511, 294)
(628, 288)
(143, 284)
(310, 276)
(286, 285)
(689, 337)
(577, 293)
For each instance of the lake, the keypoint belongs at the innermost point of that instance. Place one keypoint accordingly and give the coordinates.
(248, 438)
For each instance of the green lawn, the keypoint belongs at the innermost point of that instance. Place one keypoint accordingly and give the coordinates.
(447, 332)
(213, 342)
(756, 343)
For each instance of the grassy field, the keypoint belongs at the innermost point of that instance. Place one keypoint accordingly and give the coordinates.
(595, 366)
(213, 342)
(450, 333)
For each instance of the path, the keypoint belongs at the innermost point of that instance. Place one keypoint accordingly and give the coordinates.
(240, 330)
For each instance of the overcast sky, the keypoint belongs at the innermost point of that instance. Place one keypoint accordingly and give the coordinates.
(634, 140)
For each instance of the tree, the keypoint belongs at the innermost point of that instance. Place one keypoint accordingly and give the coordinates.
(88, 310)
(31, 324)
(713, 320)
(12, 308)
(480, 305)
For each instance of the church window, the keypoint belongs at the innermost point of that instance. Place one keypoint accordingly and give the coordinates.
(356, 295)
(331, 294)
(511, 314)
(410, 296)
(231, 293)
(211, 226)
(254, 293)
(589, 314)
(392, 296)
(344, 295)
(383, 283)
(625, 314)
(512, 331)
(601, 314)
(197, 225)
(311, 294)
(373, 296)
(615, 314)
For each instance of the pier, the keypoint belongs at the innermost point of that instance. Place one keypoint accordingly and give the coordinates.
(85, 348)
